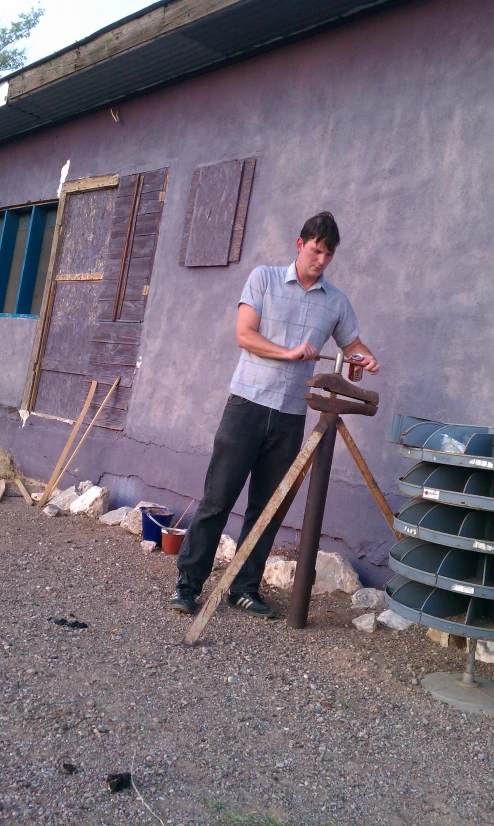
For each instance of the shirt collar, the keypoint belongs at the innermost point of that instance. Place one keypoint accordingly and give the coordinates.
(291, 275)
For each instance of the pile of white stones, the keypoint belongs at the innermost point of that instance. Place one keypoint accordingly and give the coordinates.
(333, 571)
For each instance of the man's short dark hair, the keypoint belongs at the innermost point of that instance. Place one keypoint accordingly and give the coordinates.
(322, 227)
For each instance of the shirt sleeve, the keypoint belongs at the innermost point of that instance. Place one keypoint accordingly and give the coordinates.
(254, 290)
(346, 329)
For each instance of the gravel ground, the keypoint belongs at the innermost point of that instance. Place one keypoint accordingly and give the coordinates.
(258, 724)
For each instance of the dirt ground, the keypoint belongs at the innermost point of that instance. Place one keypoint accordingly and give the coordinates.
(258, 725)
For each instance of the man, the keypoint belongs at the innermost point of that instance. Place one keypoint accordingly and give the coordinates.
(285, 316)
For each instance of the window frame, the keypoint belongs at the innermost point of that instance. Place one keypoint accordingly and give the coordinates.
(31, 255)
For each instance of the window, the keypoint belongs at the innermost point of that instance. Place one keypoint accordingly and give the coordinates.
(26, 236)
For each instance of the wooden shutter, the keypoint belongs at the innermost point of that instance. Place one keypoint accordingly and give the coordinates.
(122, 300)
(216, 214)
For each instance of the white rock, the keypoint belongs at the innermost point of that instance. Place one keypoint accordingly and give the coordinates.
(132, 522)
(334, 573)
(441, 637)
(64, 499)
(92, 503)
(148, 546)
(225, 551)
(115, 517)
(369, 598)
(82, 487)
(485, 651)
(51, 510)
(366, 622)
(394, 621)
(279, 572)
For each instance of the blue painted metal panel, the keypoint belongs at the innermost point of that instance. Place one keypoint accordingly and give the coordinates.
(18, 315)
(7, 244)
(31, 261)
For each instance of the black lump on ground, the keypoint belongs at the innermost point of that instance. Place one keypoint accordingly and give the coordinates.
(117, 782)
(71, 622)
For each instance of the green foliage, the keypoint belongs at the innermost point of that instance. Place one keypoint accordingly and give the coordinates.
(10, 56)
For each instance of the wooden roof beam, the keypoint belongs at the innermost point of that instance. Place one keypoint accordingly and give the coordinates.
(128, 35)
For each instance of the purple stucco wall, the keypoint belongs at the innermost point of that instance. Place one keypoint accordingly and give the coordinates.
(388, 123)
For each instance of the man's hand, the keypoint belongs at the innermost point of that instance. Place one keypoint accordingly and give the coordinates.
(303, 352)
(369, 362)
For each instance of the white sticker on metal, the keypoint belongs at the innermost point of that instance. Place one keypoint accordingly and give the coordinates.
(463, 589)
(481, 463)
(411, 531)
(482, 546)
(430, 493)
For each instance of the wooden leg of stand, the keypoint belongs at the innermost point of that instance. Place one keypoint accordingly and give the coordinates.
(368, 477)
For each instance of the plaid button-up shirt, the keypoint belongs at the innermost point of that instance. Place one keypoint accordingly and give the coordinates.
(289, 316)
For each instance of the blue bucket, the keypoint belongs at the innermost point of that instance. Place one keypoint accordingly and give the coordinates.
(153, 519)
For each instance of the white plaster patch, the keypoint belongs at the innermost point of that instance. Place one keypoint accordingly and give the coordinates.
(4, 92)
(24, 414)
(138, 362)
(63, 176)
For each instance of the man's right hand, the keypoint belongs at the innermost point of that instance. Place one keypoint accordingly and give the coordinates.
(304, 352)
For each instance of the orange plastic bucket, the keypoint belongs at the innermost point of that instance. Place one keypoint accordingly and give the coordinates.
(171, 540)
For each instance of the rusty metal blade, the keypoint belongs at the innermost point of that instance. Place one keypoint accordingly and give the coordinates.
(282, 491)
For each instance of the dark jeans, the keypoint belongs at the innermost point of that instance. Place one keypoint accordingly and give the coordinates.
(251, 439)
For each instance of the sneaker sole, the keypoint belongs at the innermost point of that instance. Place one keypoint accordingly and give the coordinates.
(182, 609)
(253, 613)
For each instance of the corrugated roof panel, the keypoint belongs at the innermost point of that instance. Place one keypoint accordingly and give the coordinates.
(13, 121)
(258, 22)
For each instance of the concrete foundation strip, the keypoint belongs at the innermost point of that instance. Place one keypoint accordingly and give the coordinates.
(53, 478)
(2, 488)
(287, 489)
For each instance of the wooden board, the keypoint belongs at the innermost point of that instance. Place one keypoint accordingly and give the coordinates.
(86, 232)
(68, 445)
(214, 215)
(66, 357)
(34, 370)
(242, 207)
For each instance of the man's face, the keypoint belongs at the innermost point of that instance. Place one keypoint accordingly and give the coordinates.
(313, 258)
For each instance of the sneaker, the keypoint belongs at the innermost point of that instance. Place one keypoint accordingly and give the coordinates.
(253, 603)
(184, 599)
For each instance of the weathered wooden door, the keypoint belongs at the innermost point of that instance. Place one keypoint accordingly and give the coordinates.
(101, 270)
(85, 222)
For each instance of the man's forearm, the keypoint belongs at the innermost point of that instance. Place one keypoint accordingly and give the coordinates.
(255, 343)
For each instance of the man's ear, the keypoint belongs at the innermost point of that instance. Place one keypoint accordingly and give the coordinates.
(300, 244)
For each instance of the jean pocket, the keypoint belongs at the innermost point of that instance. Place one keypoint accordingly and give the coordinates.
(236, 400)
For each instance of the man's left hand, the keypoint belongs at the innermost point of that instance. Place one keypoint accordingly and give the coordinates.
(369, 363)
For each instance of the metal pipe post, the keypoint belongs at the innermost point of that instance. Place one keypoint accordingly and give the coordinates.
(312, 525)
(468, 676)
